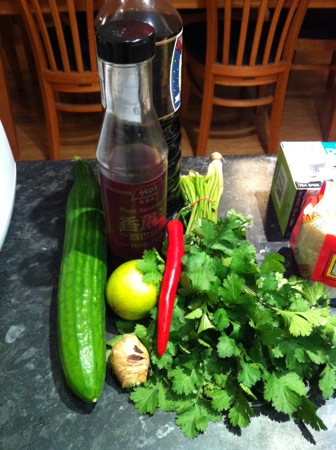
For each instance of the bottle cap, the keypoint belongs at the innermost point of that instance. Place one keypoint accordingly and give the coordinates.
(125, 41)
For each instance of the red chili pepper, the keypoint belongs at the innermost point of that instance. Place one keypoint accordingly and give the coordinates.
(171, 277)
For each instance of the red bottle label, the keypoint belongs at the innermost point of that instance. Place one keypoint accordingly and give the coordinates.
(135, 215)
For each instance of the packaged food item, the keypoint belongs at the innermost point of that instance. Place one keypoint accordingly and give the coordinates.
(301, 169)
(313, 239)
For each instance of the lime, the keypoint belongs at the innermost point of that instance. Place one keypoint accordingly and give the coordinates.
(127, 294)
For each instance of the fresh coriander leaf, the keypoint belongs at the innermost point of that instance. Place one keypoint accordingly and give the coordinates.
(181, 382)
(238, 222)
(327, 382)
(232, 289)
(194, 415)
(152, 267)
(236, 328)
(227, 347)
(221, 379)
(330, 332)
(195, 314)
(201, 280)
(285, 392)
(166, 360)
(307, 412)
(248, 391)
(221, 319)
(303, 322)
(317, 356)
(205, 323)
(208, 231)
(223, 399)
(316, 316)
(241, 412)
(178, 319)
(140, 331)
(293, 352)
(167, 401)
(268, 282)
(297, 325)
(196, 259)
(145, 398)
(314, 292)
(269, 334)
(186, 381)
(272, 263)
(299, 304)
(249, 373)
(244, 259)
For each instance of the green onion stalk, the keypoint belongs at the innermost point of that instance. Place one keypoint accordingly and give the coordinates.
(202, 193)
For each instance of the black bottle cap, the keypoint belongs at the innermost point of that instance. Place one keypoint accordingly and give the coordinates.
(125, 41)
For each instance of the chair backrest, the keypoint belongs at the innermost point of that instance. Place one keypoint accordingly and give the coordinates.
(259, 36)
(62, 37)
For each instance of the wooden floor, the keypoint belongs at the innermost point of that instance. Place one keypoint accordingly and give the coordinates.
(305, 114)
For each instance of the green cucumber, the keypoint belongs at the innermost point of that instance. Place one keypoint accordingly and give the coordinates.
(81, 298)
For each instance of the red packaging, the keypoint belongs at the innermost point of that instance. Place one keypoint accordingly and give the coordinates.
(313, 238)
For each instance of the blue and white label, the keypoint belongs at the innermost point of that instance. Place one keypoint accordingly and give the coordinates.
(175, 73)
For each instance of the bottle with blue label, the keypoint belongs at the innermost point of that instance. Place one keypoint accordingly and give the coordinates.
(167, 69)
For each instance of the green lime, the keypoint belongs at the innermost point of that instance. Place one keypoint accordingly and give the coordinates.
(127, 294)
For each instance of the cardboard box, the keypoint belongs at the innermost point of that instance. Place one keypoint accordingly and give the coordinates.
(301, 169)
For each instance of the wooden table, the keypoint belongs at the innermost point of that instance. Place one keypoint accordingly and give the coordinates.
(12, 6)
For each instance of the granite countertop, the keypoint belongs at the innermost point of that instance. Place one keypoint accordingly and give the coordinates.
(37, 410)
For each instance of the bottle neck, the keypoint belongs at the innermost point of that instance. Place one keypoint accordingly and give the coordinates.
(128, 90)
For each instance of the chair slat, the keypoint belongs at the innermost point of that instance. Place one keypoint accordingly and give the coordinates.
(60, 35)
(75, 36)
(38, 24)
(262, 13)
(91, 40)
(243, 32)
(227, 29)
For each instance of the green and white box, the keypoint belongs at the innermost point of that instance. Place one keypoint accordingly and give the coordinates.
(301, 169)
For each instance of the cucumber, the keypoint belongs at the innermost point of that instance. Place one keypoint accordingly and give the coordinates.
(81, 298)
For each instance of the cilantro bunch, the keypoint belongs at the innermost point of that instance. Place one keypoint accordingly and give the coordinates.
(241, 332)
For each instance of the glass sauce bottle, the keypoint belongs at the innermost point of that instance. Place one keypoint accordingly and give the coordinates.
(131, 151)
(167, 68)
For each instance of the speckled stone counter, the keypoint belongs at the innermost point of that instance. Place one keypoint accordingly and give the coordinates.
(37, 411)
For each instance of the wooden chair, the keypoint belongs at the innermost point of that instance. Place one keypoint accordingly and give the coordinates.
(255, 52)
(318, 34)
(63, 45)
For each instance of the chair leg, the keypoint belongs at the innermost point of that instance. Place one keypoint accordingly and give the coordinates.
(330, 134)
(51, 116)
(332, 72)
(276, 114)
(206, 116)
